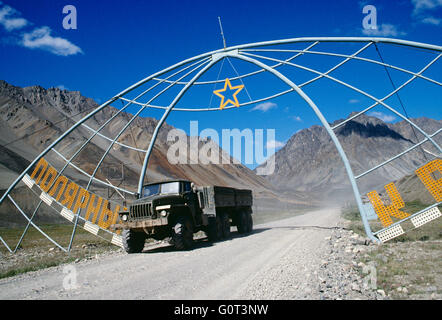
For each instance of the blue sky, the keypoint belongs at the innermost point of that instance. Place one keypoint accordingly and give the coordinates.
(117, 43)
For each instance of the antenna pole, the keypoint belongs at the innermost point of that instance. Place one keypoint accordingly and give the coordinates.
(222, 33)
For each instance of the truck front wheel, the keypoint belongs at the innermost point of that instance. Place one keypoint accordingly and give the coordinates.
(182, 233)
(133, 242)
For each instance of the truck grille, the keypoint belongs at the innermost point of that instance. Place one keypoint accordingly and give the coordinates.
(140, 211)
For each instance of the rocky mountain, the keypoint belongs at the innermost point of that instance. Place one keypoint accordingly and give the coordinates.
(308, 169)
(32, 117)
(310, 163)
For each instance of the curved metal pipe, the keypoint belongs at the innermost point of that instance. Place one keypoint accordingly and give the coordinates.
(164, 117)
(378, 101)
(222, 53)
(90, 115)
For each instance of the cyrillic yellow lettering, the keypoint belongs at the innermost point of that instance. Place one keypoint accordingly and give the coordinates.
(385, 212)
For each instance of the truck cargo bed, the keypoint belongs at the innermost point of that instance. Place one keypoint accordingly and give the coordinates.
(231, 197)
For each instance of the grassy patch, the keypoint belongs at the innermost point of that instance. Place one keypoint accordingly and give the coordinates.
(415, 266)
(36, 252)
(429, 231)
(412, 261)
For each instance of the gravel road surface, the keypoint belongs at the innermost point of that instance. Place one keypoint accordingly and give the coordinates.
(279, 260)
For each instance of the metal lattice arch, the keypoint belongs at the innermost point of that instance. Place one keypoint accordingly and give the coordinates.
(186, 74)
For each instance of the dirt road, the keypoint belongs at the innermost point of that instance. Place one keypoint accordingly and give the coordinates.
(279, 260)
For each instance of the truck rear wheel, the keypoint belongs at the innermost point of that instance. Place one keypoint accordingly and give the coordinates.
(182, 233)
(219, 227)
(133, 242)
(242, 222)
(225, 225)
(249, 222)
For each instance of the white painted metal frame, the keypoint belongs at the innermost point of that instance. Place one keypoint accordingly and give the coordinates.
(197, 66)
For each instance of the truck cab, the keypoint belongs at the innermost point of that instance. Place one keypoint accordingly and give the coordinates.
(176, 209)
(162, 201)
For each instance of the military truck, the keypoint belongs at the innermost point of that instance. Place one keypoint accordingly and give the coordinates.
(177, 209)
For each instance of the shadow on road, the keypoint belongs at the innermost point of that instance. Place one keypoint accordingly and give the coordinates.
(202, 242)
(197, 244)
(236, 234)
(308, 228)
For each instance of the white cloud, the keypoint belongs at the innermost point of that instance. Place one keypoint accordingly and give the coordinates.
(384, 117)
(274, 144)
(10, 19)
(296, 118)
(425, 5)
(431, 20)
(421, 11)
(384, 30)
(62, 87)
(265, 106)
(40, 38)
(352, 101)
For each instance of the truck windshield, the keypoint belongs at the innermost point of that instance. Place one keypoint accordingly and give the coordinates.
(164, 188)
(151, 190)
(171, 187)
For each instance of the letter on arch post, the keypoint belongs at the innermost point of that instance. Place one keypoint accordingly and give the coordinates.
(385, 212)
(428, 177)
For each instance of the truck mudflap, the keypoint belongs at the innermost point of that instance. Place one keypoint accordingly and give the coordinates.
(149, 223)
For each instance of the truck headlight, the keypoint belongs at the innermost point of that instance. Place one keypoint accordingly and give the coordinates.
(124, 217)
(163, 213)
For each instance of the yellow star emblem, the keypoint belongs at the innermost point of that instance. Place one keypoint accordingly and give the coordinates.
(237, 89)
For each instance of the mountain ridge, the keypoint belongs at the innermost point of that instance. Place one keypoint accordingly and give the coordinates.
(309, 161)
(50, 112)
(24, 110)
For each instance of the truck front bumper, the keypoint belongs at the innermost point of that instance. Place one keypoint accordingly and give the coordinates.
(140, 224)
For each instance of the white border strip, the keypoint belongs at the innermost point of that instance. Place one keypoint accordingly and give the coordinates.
(28, 181)
(391, 233)
(117, 240)
(426, 217)
(68, 214)
(46, 198)
(92, 228)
